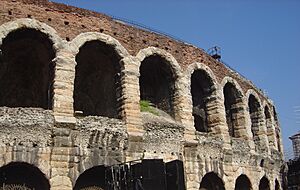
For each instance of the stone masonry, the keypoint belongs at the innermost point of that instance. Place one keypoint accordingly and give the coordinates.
(71, 85)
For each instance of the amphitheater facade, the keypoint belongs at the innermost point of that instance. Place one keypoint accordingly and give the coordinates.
(72, 83)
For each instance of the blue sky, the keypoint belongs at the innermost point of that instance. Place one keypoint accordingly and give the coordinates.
(259, 39)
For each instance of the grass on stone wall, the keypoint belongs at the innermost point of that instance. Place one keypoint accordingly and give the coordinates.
(146, 106)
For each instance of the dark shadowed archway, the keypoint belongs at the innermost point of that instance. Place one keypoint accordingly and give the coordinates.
(97, 80)
(264, 184)
(202, 88)
(157, 83)
(255, 117)
(233, 107)
(277, 130)
(211, 181)
(26, 69)
(277, 186)
(243, 183)
(24, 175)
(269, 126)
(92, 179)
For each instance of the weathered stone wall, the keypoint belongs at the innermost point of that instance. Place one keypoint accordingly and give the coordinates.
(63, 144)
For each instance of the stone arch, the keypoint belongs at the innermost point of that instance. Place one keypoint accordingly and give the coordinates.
(159, 79)
(234, 107)
(82, 38)
(97, 85)
(264, 183)
(200, 66)
(257, 121)
(23, 175)
(92, 178)
(211, 181)
(203, 85)
(22, 23)
(275, 115)
(243, 183)
(28, 50)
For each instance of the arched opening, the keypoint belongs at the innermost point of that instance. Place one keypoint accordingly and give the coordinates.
(278, 139)
(277, 132)
(157, 83)
(21, 175)
(277, 186)
(255, 117)
(201, 89)
(233, 107)
(269, 126)
(91, 179)
(211, 181)
(275, 115)
(243, 183)
(26, 69)
(264, 184)
(97, 80)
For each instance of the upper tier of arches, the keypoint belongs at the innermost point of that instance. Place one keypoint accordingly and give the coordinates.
(95, 75)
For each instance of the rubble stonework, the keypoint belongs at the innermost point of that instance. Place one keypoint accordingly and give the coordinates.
(242, 143)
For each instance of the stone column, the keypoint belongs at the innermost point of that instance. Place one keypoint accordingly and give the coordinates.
(185, 108)
(247, 133)
(65, 121)
(63, 87)
(271, 133)
(130, 97)
(260, 132)
(216, 117)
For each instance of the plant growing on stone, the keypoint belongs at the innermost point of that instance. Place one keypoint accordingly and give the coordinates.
(146, 106)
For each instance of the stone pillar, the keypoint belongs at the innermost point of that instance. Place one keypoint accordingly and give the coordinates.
(185, 109)
(261, 134)
(271, 133)
(65, 121)
(63, 85)
(191, 168)
(216, 118)
(130, 97)
(60, 169)
(62, 155)
(247, 133)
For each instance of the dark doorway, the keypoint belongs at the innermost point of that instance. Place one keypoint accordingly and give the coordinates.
(97, 80)
(157, 83)
(26, 69)
(175, 175)
(277, 186)
(201, 90)
(255, 116)
(264, 184)
(242, 183)
(269, 125)
(91, 179)
(277, 132)
(21, 174)
(211, 182)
